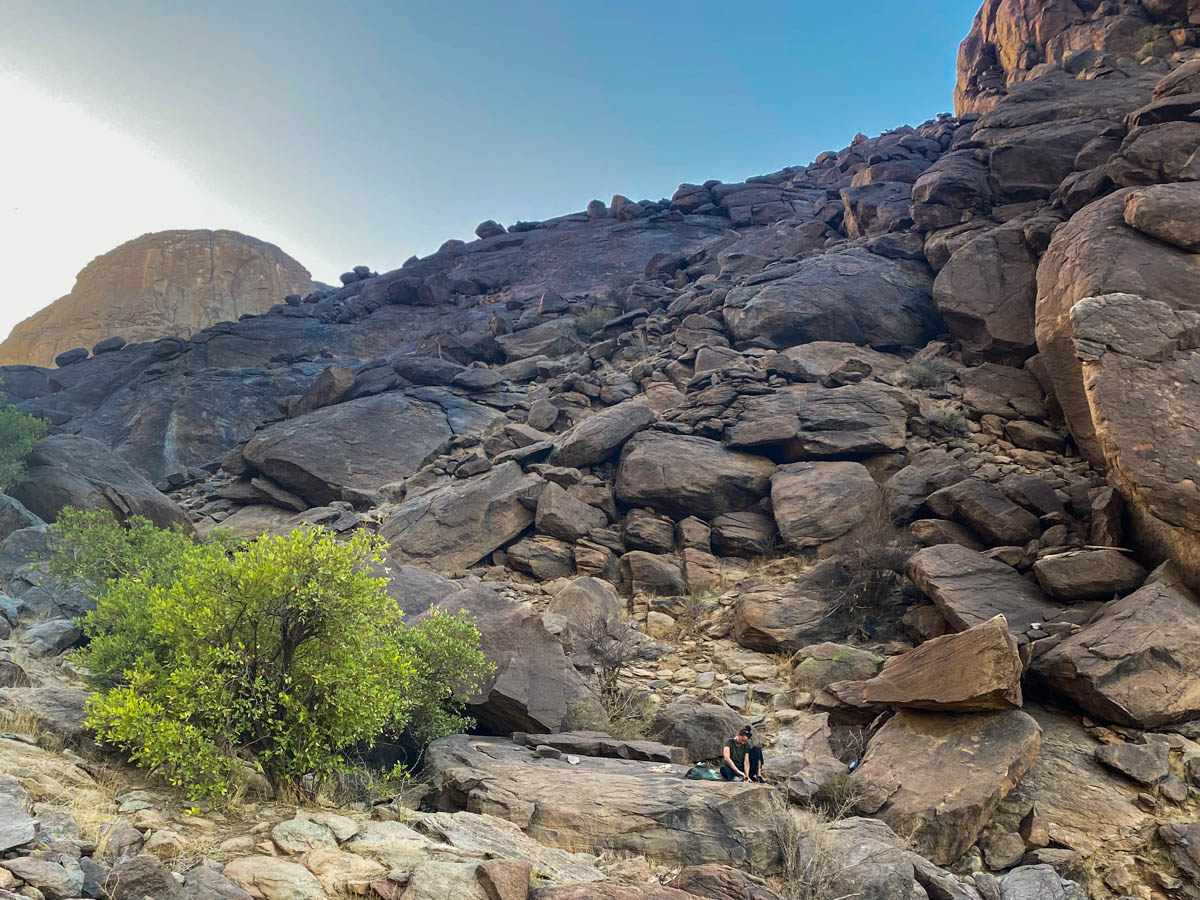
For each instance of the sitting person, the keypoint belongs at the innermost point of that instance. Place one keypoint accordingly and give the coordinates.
(743, 760)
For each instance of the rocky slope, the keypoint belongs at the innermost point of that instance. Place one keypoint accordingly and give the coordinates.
(171, 283)
(894, 453)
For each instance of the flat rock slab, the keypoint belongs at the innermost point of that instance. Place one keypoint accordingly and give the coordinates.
(1088, 574)
(970, 588)
(1138, 662)
(607, 804)
(600, 435)
(17, 827)
(597, 743)
(939, 777)
(970, 671)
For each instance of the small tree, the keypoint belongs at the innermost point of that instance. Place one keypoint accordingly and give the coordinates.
(18, 433)
(284, 652)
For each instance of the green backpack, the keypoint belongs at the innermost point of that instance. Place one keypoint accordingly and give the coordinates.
(702, 773)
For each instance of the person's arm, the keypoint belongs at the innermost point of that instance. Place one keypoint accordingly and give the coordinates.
(729, 761)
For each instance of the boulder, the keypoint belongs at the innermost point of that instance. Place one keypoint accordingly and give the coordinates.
(970, 588)
(987, 511)
(17, 827)
(650, 573)
(974, 670)
(1167, 212)
(552, 339)
(877, 208)
(1088, 574)
(619, 805)
(204, 883)
(545, 558)
(351, 450)
(1139, 369)
(458, 523)
(807, 421)
(773, 618)
(700, 728)
(14, 516)
(561, 515)
(929, 471)
(143, 875)
(533, 687)
(269, 878)
(610, 891)
(330, 387)
(746, 534)
(718, 882)
(986, 294)
(1146, 764)
(53, 880)
(682, 475)
(817, 502)
(598, 436)
(853, 296)
(798, 746)
(1136, 663)
(822, 664)
(586, 599)
(69, 470)
(939, 777)
(644, 530)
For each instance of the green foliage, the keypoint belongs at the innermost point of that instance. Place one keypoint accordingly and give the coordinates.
(283, 653)
(18, 433)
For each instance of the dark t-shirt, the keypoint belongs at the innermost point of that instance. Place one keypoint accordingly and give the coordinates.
(737, 752)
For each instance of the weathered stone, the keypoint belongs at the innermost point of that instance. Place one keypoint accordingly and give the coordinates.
(545, 558)
(852, 296)
(1144, 763)
(987, 511)
(746, 534)
(203, 883)
(55, 881)
(643, 530)
(817, 502)
(817, 666)
(660, 816)
(720, 883)
(69, 470)
(330, 387)
(166, 283)
(351, 450)
(1088, 574)
(930, 471)
(700, 728)
(773, 618)
(598, 436)
(650, 573)
(457, 524)
(972, 671)
(969, 589)
(14, 516)
(586, 599)
(562, 516)
(137, 877)
(680, 475)
(268, 878)
(1136, 662)
(940, 777)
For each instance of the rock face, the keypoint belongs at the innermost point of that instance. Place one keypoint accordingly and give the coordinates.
(167, 284)
(1134, 664)
(609, 804)
(939, 777)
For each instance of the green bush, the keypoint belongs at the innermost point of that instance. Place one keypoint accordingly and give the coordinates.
(18, 433)
(282, 653)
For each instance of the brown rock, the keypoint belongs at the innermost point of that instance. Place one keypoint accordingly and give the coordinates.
(563, 516)
(1167, 212)
(330, 387)
(600, 435)
(987, 511)
(505, 879)
(1088, 574)
(771, 618)
(942, 776)
(931, 532)
(746, 534)
(1138, 662)
(816, 502)
(171, 283)
(969, 589)
(680, 475)
(650, 573)
(971, 671)
(1145, 763)
(720, 883)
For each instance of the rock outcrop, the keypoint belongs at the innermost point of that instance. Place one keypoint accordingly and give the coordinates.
(166, 284)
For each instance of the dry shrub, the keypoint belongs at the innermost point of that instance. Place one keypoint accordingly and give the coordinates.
(614, 646)
(872, 557)
(946, 419)
(929, 374)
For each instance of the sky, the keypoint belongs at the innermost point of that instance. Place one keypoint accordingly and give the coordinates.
(364, 131)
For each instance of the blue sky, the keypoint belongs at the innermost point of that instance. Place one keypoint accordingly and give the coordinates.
(363, 132)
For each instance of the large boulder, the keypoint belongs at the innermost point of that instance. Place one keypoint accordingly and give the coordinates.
(69, 470)
(351, 450)
(986, 294)
(700, 728)
(457, 524)
(1093, 254)
(1167, 212)
(1138, 662)
(616, 805)
(971, 671)
(986, 510)
(1140, 368)
(533, 687)
(600, 435)
(14, 516)
(939, 777)
(683, 475)
(852, 296)
(818, 502)
(773, 618)
(970, 588)
(806, 421)
(1094, 574)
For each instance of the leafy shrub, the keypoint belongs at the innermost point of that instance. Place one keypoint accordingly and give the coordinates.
(930, 374)
(284, 652)
(18, 433)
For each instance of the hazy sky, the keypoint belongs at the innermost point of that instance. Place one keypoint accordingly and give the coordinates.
(363, 131)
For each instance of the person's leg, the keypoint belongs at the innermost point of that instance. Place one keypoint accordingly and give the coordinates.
(727, 772)
(756, 760)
